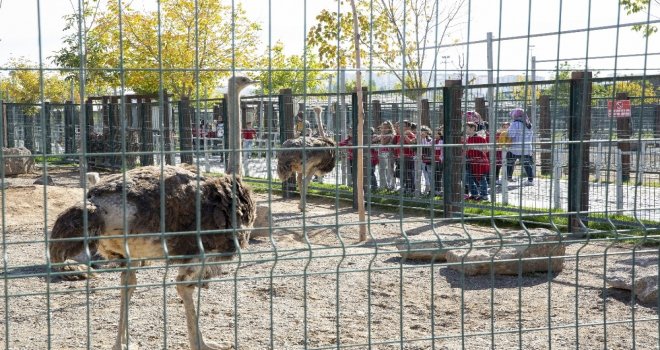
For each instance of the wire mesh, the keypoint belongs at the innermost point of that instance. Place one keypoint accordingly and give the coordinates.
(539, 230)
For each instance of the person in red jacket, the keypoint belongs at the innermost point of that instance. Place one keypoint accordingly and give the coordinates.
(438, 141)
(477, 164)
(348, 142)
(403, 143)
(249, 135)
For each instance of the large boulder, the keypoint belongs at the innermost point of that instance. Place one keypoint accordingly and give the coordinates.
(18, 160)
(518, 252)
(644, 285)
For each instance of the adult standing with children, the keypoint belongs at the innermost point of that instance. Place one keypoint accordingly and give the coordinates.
(522, 138)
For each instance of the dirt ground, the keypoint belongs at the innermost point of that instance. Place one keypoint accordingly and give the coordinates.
(312, 285)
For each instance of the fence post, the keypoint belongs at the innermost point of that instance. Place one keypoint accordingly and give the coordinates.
(545, 130)
(579, 133)
(48, 147)
(377, 113)
(147, 142)
(287, 126)
(425, 117)
(10, 123)
(28, 127)
(656, 132)
(5, 126)
(89, 128)
(168, 130)
(623, 133)
(453, 160)
(185, 131)
(480, 107)
(366, 140)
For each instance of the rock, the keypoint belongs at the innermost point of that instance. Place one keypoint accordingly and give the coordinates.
(40, 181)
(430, 249)
(504, 255)
(93, 178)
(620, 276)
(18, 160)
(261, 223)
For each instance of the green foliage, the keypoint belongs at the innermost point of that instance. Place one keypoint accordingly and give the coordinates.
(290, 72)
(194, 43)
(383, 38)
(635, 6)
(23, 84)
(632, 88)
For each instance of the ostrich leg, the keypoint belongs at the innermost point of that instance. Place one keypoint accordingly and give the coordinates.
(305, 184)
(195, 338)
(128, 282)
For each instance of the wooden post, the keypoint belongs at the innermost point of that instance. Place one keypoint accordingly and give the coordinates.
(48, 147)
(185, 131)
(656, 132)
(147, 142)
(69, 131)
(3, 112)
(287, 126)
(453, 157)
(168, 130)
(623, 133)
(545, 134)
(28, 132)
(377, 113)
(10, 118)
(425, 117)
(579, 129)
(480, 107)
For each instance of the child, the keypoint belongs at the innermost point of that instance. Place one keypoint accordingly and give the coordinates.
(427, 150)
(478, 167)
(438, 141)
(249, 134)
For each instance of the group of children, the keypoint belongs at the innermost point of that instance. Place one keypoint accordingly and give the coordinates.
(514, 137)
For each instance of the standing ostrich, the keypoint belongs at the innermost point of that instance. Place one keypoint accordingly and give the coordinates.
(226, 209)
(306, 156)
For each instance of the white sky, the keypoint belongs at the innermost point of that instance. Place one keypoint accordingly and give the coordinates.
(19, 32)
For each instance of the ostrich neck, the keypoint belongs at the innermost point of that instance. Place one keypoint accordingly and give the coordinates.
(319, 124)
(234, 128)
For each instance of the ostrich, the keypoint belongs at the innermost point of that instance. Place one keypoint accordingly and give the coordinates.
(234, 87)
(226, 209)
(305, 157)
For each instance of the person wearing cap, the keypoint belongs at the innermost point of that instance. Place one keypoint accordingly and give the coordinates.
(475, 117)
(521, 135)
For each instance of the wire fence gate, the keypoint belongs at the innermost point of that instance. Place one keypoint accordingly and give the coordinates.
(184, 174)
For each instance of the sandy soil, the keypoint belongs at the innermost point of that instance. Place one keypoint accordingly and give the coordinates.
(310, 284)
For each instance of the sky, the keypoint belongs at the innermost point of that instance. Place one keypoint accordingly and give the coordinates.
(290, 20)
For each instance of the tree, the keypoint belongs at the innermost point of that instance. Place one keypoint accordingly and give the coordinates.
(23, 84)
(383, 36)
(632, 88)
(95, 44)
(195, 39)
(636, 6)
(291, 72)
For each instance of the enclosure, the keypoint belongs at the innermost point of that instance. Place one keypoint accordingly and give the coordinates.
(564, 257)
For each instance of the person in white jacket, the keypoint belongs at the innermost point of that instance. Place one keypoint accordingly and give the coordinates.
(522, 138)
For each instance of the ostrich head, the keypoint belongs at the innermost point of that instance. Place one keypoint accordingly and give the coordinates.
(240, 82)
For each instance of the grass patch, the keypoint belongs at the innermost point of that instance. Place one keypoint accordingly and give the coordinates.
(55, 160)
